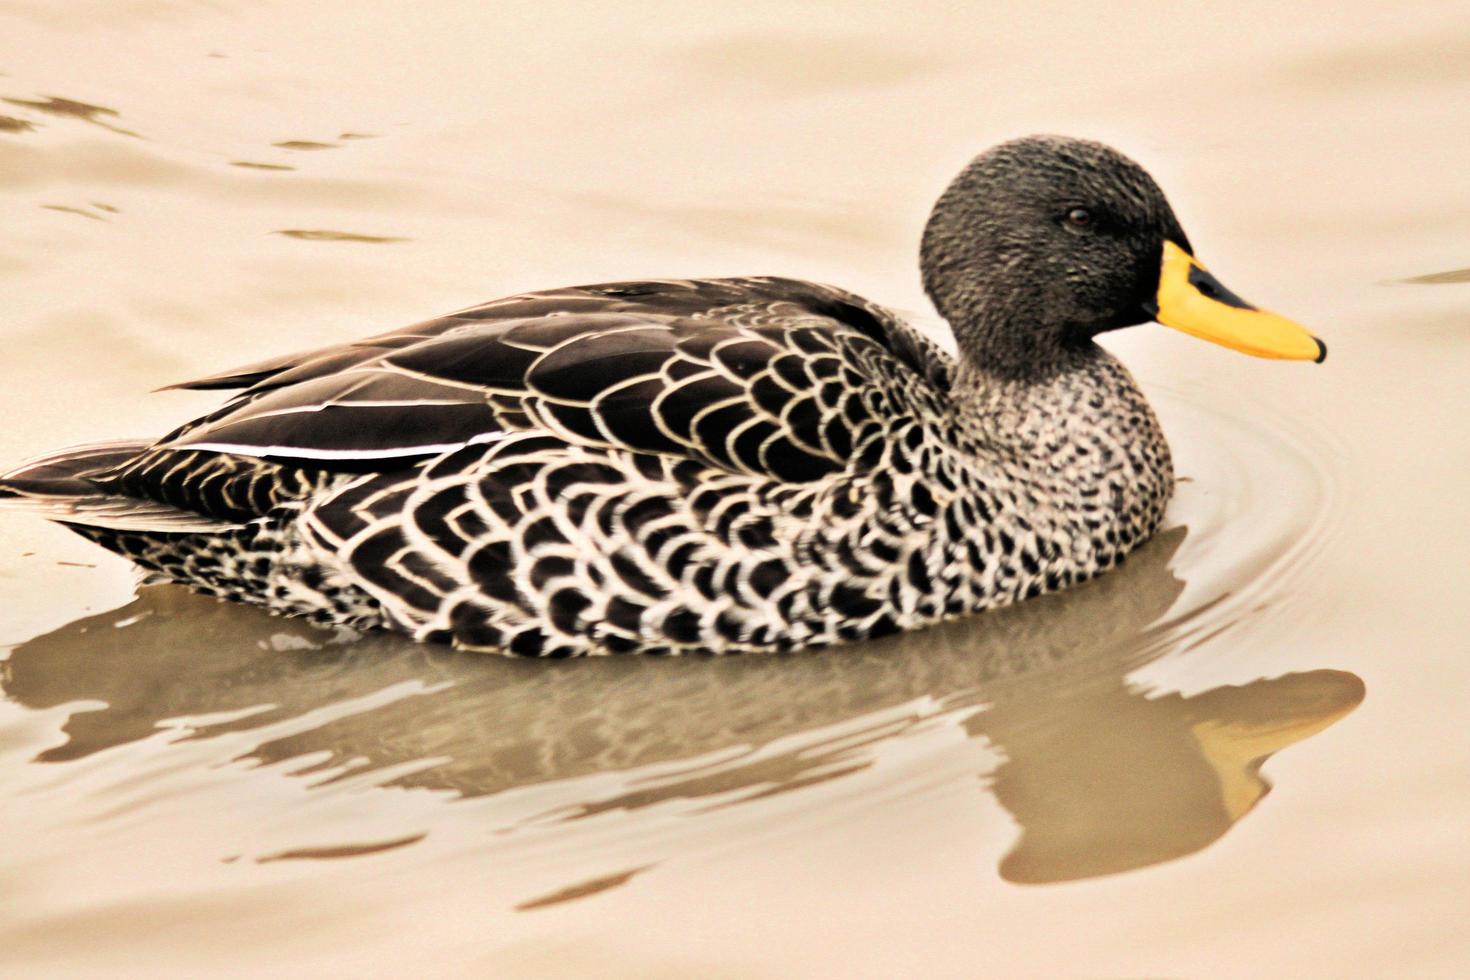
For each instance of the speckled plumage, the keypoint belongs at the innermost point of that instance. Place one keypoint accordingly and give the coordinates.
(723, 465)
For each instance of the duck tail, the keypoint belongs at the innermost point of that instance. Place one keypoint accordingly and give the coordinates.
(59, 486)
(65, 470)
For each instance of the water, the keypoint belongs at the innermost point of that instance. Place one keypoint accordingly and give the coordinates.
(1077, 786)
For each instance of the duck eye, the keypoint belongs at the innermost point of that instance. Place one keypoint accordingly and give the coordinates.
(1079, 218)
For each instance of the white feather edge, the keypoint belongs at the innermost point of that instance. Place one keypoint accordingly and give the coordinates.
(303, 452)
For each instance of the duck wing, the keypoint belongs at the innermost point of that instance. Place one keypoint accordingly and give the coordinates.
(776, 377)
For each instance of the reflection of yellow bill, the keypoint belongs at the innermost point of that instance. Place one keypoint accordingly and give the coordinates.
(1236, 749)
(1195, 302)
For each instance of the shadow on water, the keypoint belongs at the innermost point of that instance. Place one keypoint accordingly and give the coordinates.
(53, 105)
(1439, 278)
(1100, 776)
(317, 235)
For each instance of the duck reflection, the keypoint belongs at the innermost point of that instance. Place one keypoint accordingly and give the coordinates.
(1107, 780)
(1100, 776)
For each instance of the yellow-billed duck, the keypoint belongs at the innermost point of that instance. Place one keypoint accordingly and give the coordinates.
(712, 464)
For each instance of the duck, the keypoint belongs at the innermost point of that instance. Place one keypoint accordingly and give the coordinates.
(699, 465)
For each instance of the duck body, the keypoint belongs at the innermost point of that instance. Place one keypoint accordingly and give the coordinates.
(721, 465)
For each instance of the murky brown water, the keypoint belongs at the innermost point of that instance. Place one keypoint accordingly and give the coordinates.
(1074, 787)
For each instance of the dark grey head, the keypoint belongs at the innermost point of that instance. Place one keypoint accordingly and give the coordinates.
(1039, 245)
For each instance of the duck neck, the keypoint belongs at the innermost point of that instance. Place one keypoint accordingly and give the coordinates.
(1087, 398)
(992, 351)
(1081, 450)
(985, 331)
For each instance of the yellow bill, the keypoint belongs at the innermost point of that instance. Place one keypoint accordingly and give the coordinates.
(1195, 302)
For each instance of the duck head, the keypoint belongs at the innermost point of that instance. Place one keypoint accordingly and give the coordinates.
(1042, 243)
